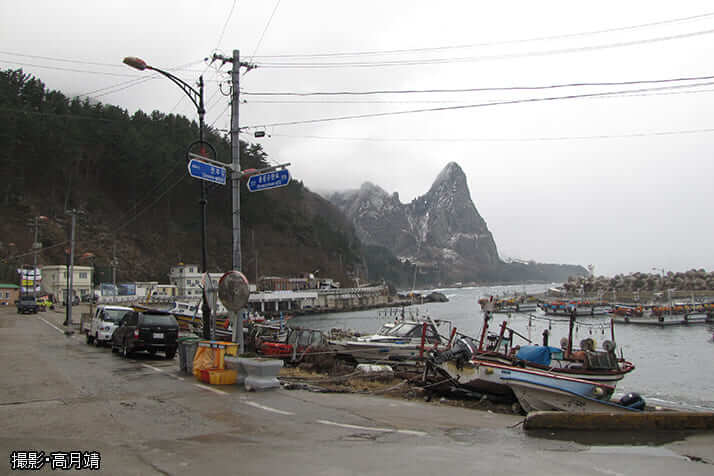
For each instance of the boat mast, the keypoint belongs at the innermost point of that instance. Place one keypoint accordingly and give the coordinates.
(570, 330)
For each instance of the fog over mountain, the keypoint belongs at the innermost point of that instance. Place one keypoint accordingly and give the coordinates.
(441, 231)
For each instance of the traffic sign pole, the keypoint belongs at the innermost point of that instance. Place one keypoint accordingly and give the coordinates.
(269, 180)
(208, 172)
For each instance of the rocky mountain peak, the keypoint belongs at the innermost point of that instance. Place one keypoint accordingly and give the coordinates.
(452, 174)
(440, 228)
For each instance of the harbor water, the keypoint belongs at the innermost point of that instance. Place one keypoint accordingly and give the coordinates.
(673, 365)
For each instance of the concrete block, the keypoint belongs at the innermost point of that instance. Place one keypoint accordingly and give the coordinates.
(642, 421)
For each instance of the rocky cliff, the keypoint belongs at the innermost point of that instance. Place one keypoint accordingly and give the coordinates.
(441, 232)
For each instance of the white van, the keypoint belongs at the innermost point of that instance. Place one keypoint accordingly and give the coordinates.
(104, 322)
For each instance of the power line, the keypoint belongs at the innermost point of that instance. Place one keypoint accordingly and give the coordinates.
(225, 25)
(267, 25)
(72, 70)
(468, 106)
(482, 89)
(492, 43)
(469, 59)
(500, 139)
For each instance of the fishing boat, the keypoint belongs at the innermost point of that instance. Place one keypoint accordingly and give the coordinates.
(537, 390)
(581, 308)
(665, 320)
(405, 340)
(476, 365)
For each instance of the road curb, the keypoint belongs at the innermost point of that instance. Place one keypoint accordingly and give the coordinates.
(645, 421)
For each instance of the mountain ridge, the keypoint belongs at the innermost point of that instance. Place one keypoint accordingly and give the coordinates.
(441, 232)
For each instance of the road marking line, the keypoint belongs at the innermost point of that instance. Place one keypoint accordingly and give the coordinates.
(152, 367)
(367, 428)
(268, 409)
(214, 390)
(50, 324)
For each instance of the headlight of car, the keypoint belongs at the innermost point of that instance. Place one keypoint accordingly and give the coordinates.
(106, 329)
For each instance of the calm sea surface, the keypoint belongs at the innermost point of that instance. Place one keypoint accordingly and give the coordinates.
(674, 365)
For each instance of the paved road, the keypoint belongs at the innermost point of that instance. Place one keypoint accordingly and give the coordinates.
(143, 418)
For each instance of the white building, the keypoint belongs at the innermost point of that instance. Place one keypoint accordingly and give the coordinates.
(54, 280)
(187, 279)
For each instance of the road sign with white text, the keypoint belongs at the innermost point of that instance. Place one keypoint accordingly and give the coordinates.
(268, 180)
(205, 171)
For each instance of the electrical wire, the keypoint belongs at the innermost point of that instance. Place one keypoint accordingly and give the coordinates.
(471, 59)
(149, 195)
(492, 43)
(125, 223)
(159, 197)
(267, 25)
(482, 89)
(468, 106)
(225, 25)
(503, 139)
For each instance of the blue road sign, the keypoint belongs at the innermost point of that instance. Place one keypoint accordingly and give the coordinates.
(205, 171)
(268, 180)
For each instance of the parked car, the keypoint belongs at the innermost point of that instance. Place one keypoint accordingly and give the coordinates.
(104, 323)
(44, 303)
(27, 304)
(147, 330)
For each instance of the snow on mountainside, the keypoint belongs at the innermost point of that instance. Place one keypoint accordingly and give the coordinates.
(437, 230)
(441, 231)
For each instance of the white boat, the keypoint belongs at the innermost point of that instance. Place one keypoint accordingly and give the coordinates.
(537, 390)
(475, 365)
(400, 341)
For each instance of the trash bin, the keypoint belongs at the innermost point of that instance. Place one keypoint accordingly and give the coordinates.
(187, 350)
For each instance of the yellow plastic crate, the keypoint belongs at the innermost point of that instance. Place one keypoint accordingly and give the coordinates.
(222, 377)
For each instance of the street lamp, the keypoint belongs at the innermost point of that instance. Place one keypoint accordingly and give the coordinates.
(196, 98)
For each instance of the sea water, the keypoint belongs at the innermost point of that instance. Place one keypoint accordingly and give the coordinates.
(673, 365)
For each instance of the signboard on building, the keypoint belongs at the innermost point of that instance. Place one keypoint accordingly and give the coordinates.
(30, 279)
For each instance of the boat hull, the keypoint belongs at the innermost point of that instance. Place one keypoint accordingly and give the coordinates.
(372, 352)
(535, 397)
(482, 375)
(667, 320)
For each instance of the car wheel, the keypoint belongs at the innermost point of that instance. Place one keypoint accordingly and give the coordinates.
(90, 338)
(114, 348)
(152, 352)
(170, 353)
(97, 342)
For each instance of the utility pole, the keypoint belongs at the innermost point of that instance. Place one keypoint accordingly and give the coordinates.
(235, 154)
(235, 172)
(115, 263)
(70, 273)
(36, 246)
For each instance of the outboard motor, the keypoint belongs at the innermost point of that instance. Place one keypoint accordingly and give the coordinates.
(460, 352)
(633, 400)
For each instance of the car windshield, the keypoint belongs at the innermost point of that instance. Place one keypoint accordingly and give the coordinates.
(114, 315)
(159, 320)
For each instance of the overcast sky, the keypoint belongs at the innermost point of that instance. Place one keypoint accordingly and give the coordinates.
(623, 182)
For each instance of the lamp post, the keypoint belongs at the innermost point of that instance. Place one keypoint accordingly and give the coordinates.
(196, 98)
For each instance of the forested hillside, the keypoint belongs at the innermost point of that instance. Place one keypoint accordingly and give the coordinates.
(126, 174)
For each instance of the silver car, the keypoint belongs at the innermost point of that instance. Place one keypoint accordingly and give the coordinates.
(104, 322)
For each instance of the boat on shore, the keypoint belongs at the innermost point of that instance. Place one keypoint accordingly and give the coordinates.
(402, 340)
(479, 365)
(537, 391)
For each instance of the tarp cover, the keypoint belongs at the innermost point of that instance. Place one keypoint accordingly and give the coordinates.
(537, 354)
